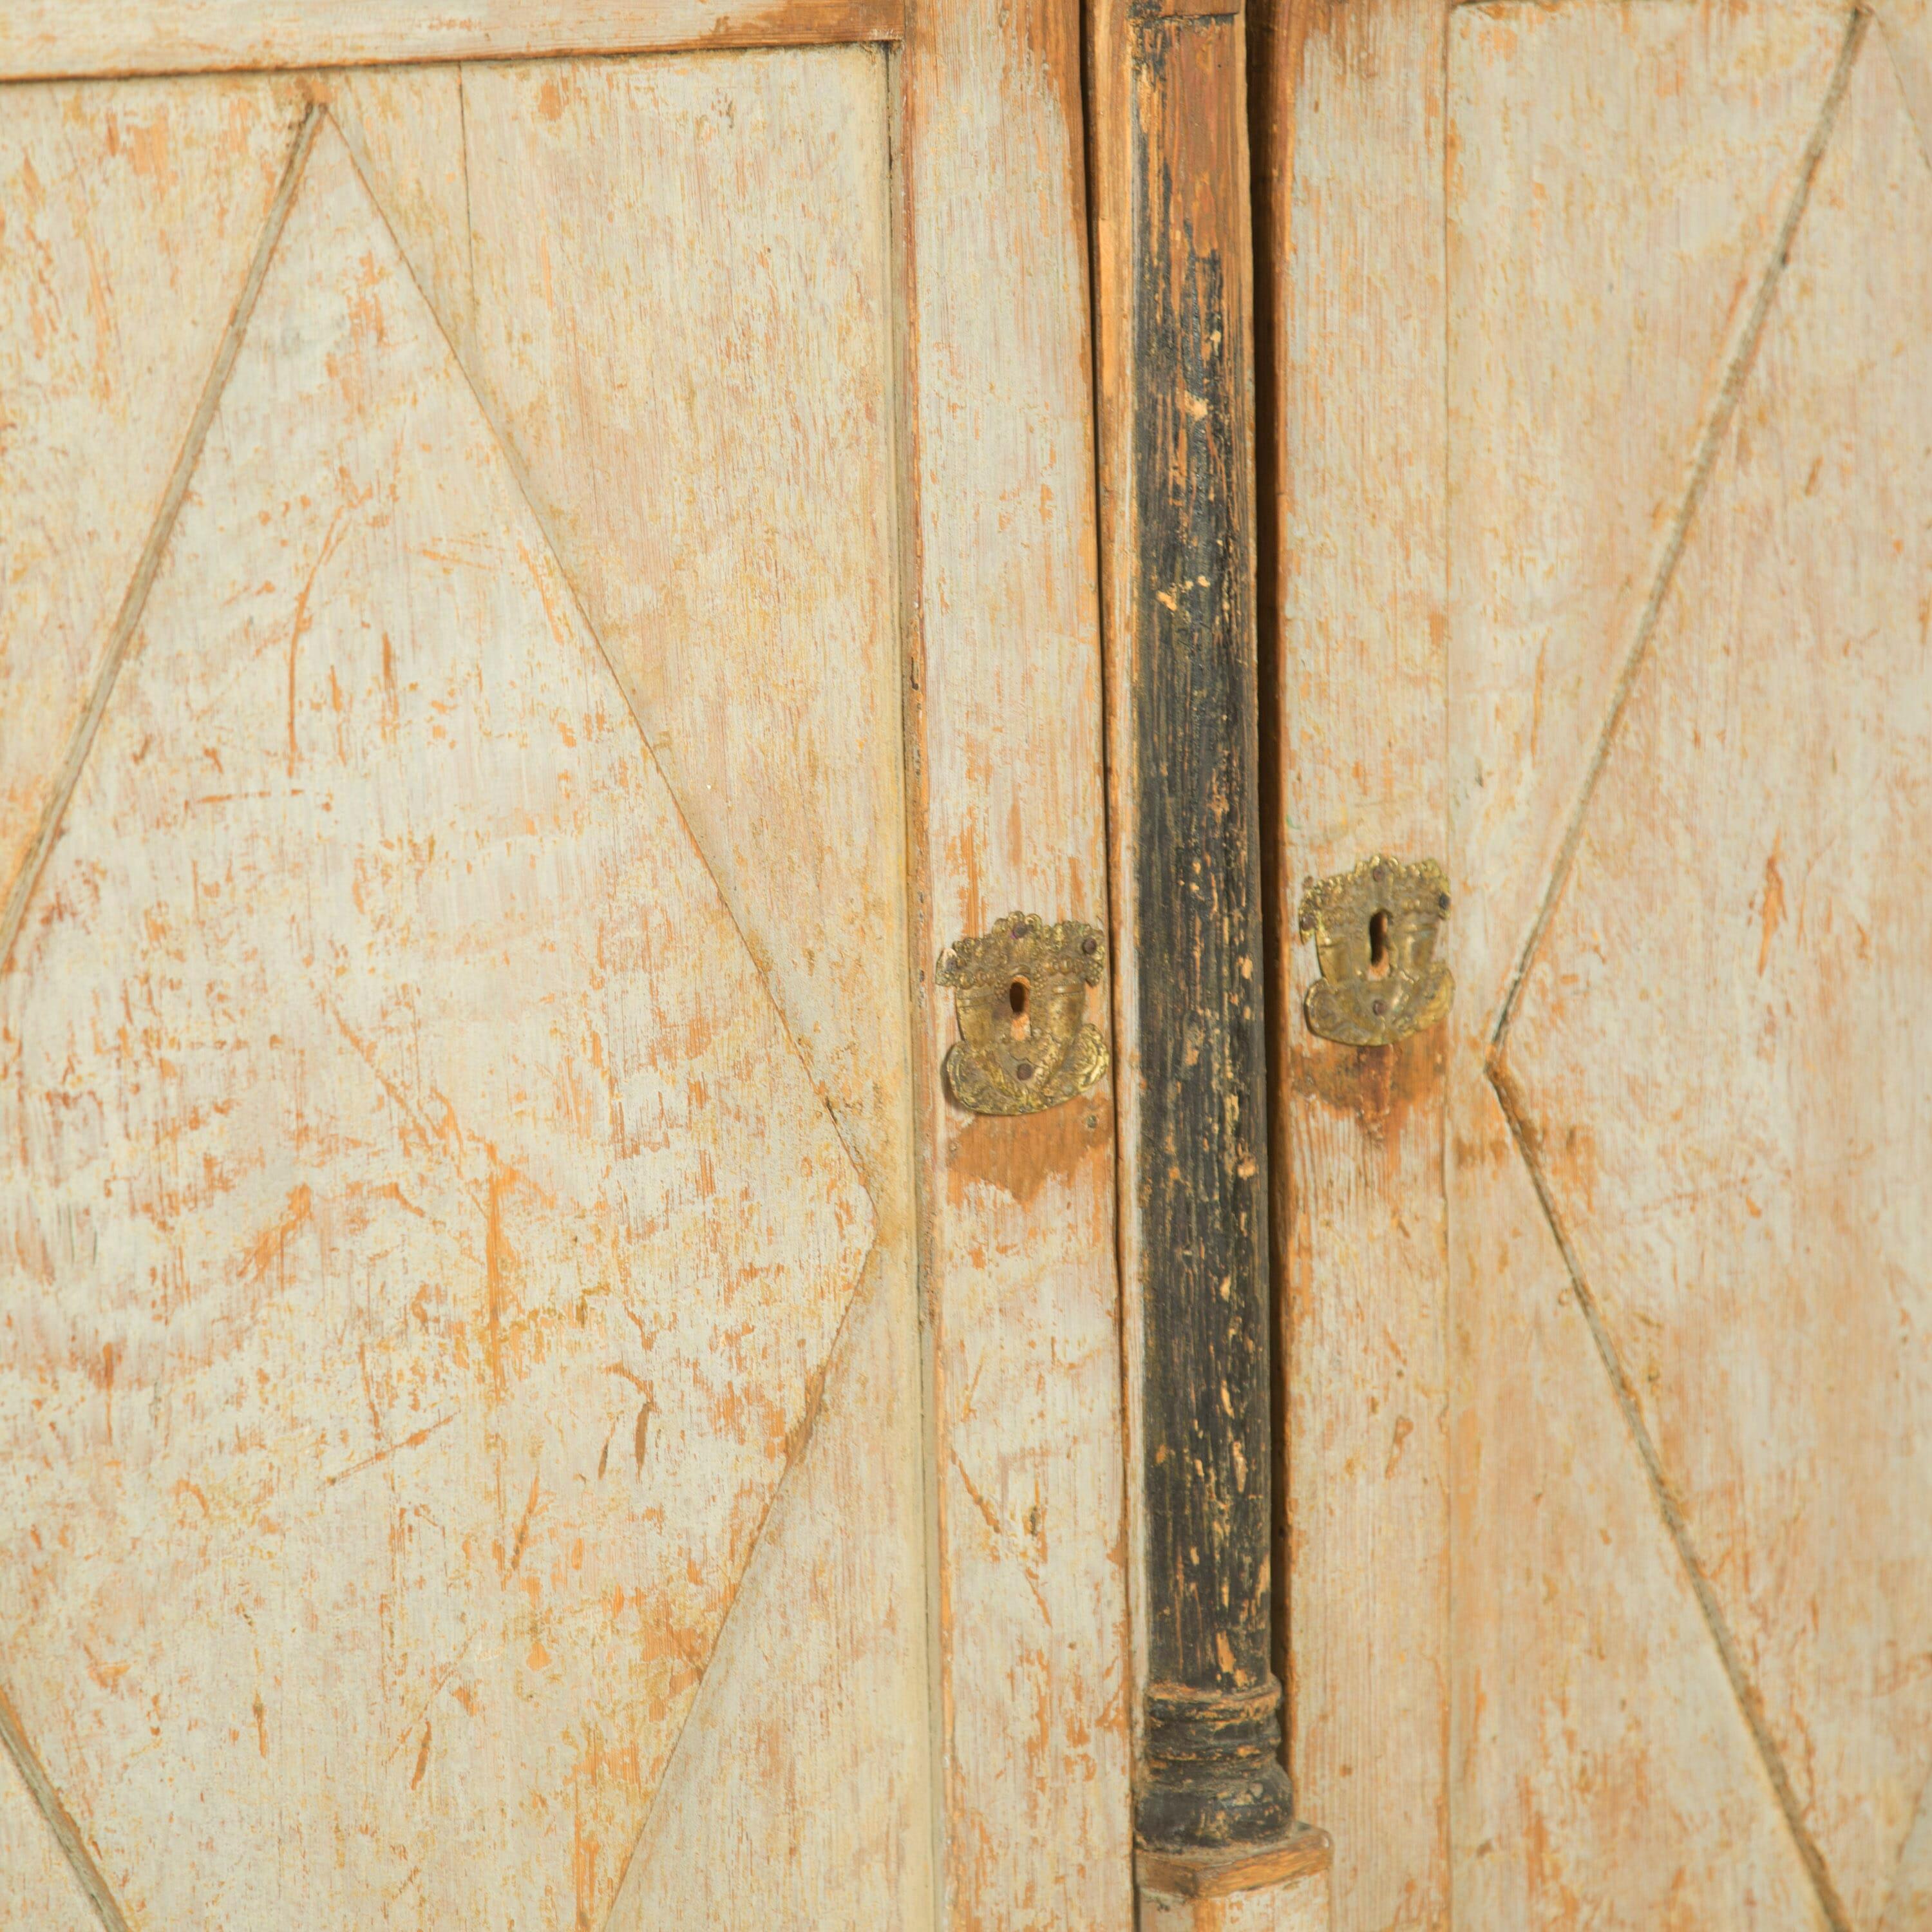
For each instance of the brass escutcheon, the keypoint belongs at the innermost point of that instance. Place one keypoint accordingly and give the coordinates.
(1021, 991)
(1374, 930)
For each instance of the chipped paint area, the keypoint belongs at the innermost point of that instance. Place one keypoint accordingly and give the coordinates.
(426, 1242)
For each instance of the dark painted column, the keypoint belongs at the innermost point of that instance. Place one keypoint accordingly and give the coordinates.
(1211, 1774)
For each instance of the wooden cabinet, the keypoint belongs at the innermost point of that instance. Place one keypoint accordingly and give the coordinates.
(570, 571)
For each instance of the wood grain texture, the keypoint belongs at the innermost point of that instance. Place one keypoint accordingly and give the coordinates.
(1169, 163)
(408, 130)
(1905, 26)
(130, 218)
(1602, 1774)
(1201, 1115)
(1734, 1135)
(1909, 1904)
(1302, 1853)
(714, 453)
(1621, 186)
(406, 1152)
(799, 1801)
(1351, 307)
(50, 40)
(1005, 694)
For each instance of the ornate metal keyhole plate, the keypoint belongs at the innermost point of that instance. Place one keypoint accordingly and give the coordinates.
(1020, 990)
(1374, 929)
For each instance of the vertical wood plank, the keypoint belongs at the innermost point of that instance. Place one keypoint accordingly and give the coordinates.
(1005, 690)
(1351, 310)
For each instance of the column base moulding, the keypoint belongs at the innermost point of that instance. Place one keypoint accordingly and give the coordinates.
(1281, 1887)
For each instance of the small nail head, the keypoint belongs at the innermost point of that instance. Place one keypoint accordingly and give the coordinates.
(1024, 1070)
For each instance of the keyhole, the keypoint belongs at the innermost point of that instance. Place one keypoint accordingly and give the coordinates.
(1378, 951)
(1016, 998)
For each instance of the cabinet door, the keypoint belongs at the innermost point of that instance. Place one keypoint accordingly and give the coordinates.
(1625, 503)
(516, 545)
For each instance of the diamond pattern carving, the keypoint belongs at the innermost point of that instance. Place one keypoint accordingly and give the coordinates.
(405, 1159)
(1718, 1049)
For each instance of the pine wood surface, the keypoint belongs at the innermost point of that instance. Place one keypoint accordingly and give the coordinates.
(112, 205)
(317, 829)
(849, 1530)
(1758, 1267)
(756, 433)
(1300, 1904)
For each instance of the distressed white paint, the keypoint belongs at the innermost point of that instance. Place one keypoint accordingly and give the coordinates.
(1691, 1493)
(684, 450)
(427, 1241)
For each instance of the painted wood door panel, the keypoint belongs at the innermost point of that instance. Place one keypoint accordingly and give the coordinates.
(1687, 680)
(705, 452)
(1734, 1135)
(1616, 184)
(654, 1077)
(1667, 722)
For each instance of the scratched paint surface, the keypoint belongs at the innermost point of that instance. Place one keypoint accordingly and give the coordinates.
(1690, 571)
(117, 206)
(1719, 1042)
(699, 396)
(421, 1238)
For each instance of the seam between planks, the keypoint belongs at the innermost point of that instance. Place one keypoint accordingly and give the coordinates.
(1743, 353)
(134, 601)
(60, 1821)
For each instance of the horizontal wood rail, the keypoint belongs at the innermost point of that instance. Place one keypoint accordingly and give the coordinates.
(51, 40)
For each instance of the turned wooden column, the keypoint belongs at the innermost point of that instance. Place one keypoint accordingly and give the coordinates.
(1172, 276)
